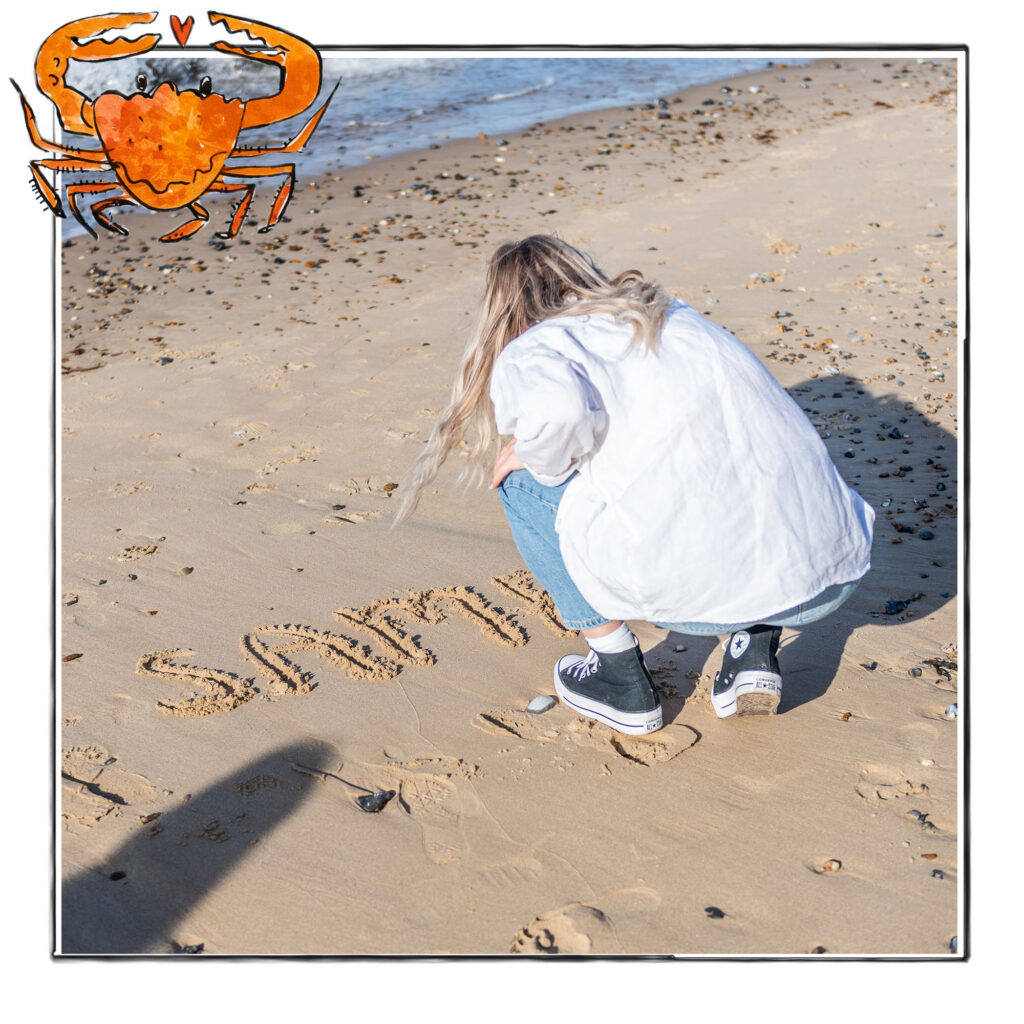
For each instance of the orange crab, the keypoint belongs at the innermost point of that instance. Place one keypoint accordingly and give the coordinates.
(168, 148)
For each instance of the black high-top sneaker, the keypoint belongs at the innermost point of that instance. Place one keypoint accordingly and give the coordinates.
(615, 689)
(749, 681)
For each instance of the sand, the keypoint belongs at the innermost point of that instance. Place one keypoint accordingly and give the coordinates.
(246, 647)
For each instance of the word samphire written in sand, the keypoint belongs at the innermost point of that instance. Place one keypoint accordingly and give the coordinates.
(272, 649)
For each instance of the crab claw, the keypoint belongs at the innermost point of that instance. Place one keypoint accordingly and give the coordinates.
(74, 41)
(299, 62)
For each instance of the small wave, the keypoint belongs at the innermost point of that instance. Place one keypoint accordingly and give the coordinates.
(529, 90)
(356, 123)
(406, 116)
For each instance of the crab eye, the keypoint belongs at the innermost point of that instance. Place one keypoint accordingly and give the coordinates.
(205, 86)
(140, 83)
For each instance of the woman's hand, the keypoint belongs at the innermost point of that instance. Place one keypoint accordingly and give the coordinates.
(506, 462)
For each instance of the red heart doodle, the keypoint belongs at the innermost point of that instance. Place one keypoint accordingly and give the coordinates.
(182, 31)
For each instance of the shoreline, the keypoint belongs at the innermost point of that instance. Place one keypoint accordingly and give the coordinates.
(412, 151)
(244, 409)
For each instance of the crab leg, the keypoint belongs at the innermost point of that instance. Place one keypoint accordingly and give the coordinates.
(297, 143)
(46, 190)
(189, 227)
(64, 45)
(92, 188)
(98, 208)
(40, 142)
(241, 208)
(284, 193)
(76, 159)
(298, 60)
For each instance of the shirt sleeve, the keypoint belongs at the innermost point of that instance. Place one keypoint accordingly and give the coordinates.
(548, 404)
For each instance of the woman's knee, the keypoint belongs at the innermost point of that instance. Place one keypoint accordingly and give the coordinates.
(510, 496)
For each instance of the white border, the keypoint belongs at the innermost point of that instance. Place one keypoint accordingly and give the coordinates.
(431, 988)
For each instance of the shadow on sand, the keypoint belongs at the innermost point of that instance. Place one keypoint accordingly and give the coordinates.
(134, 902)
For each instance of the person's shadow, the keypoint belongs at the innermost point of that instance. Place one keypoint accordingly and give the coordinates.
(134, 901)
(905, 465)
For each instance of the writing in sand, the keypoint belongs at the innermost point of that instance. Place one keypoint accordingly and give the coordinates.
(272, 649)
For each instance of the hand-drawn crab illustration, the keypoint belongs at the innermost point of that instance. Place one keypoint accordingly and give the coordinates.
(168, 148)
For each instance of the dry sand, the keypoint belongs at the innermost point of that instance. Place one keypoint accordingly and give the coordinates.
(246, 647)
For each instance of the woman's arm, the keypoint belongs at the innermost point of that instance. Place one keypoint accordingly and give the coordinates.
(547, 403)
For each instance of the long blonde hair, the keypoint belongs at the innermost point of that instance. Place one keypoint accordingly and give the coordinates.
(538, 278)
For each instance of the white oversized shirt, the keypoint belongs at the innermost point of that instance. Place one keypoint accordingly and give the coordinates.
(703, 493)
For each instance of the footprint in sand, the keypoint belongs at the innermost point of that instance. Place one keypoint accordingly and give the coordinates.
(378, 487)
(572, 930)
(300, 454)
(429, 792)
(884, 784)
(440, 807)
(887, 786)
(583, 928)
(374, 487)
(94, 786)
(341, 516)
(134, 552)
(512, 874)
(657, 748)
(434, 804)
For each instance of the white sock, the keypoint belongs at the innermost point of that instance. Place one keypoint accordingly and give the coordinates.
(618, 640)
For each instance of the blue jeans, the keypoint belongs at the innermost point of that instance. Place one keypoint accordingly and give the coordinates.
(530, 508)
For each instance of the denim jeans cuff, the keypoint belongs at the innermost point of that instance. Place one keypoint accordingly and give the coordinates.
(585, 624)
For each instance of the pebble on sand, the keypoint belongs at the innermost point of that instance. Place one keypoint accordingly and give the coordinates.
(540, 704)
(373, 802)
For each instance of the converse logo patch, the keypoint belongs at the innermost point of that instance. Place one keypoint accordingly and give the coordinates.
(740, 642)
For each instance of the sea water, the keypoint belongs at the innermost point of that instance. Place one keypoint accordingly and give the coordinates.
(389, 102)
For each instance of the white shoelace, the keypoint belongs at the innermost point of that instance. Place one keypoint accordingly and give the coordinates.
(587, 667)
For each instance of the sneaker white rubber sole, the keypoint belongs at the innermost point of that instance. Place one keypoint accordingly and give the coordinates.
(752, 693)
(632, 723)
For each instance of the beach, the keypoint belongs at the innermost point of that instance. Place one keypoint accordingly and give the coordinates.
(246, 647)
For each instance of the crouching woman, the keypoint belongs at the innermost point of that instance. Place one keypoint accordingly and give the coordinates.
(656, 471)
